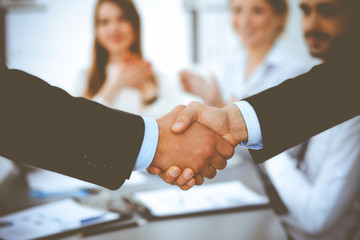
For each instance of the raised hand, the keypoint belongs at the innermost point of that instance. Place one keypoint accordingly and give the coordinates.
(133, 72)
(197, 85)
(198, 148)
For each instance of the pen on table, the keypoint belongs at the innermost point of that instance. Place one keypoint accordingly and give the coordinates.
(91, 219)
(112, 227)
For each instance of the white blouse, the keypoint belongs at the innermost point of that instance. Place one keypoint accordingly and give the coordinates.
(130, 100)
(277, 66)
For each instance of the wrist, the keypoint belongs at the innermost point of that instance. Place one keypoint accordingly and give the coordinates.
(237, 123)
(160, 151)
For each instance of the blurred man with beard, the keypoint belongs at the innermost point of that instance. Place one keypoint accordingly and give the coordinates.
(325, 22)
(318, 180)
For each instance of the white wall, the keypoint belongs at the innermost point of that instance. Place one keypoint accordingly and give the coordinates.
(55, 44)
(52, 44)
(165, 35)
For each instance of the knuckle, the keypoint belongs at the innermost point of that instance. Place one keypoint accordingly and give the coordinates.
(219, 165)
(199, 180)
(193, 104)
(212, 174)
(180, 182)
(223, 166)
(180, 107)
(168, 179)
(183, 116)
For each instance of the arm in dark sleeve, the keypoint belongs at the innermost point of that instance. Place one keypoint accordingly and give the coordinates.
(304, 106)
(45, 127)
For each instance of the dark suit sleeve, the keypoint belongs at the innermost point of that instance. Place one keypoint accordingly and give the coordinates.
(309, 104)
(45, 127)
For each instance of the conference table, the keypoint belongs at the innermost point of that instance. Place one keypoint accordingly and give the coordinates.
(255, 224)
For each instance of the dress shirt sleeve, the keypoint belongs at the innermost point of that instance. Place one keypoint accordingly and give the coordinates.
(252, 125)
(149, 145)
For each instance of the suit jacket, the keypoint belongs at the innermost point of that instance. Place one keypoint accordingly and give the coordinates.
(45, 127)
(304, 106)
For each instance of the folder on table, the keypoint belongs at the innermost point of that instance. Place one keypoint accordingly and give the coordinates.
(52, 220)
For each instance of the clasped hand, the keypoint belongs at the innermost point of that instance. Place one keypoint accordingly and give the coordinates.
(195, 141)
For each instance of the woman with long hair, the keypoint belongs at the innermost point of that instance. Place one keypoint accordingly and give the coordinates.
(119, 75)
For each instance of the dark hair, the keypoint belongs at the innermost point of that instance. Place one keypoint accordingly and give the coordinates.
(100, 56)
(281, 8)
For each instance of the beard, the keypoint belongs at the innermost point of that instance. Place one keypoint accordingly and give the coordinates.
(324, 45)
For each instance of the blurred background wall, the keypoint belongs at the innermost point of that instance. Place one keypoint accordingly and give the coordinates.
(53, 39)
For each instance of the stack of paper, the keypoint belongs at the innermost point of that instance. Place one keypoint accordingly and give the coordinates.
(210, 197)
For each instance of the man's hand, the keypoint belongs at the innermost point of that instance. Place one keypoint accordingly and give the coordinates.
(227, 121)
(197, 148)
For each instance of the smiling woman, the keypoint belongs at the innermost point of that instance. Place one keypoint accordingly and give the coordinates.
(119, 76)
(258, 25)
(117, 56)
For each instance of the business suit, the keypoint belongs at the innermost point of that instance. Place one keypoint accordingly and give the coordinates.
(304, 106)
(44, 126)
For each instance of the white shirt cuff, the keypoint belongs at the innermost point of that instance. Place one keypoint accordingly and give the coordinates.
(252, 125)
(149, 145)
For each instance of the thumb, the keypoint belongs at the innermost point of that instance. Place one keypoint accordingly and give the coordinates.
(186, 117)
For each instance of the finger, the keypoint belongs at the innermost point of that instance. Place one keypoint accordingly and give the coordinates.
(199, 180)
(208, 172)
(186, 86)
(153, 170)
(187, 117)
(142, 66)
(184, 177)
(185, 83)
(223, 147)
(170, 174)
(188, 185)
(218, 161)
(184, 74)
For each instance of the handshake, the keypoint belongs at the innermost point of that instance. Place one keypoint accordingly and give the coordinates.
(195, 141)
